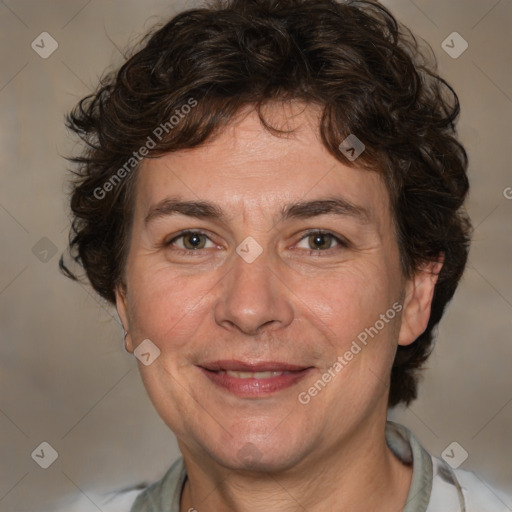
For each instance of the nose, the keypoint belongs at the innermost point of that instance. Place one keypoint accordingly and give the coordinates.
(252, 297)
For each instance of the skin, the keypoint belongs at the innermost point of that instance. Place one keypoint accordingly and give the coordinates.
(295, 303)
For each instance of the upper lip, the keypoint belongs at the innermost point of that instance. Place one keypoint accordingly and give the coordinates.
(247, 366)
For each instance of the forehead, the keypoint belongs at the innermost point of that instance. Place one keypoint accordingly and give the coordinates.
(247, 169)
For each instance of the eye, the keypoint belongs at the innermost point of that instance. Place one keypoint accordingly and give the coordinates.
(190, 241)
(321, 241)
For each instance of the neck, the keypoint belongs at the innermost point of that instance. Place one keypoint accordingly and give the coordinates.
(356, 475)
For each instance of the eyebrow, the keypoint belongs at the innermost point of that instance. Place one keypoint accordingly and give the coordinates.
(302, 210)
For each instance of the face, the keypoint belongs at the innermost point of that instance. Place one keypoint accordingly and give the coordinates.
(256, 265)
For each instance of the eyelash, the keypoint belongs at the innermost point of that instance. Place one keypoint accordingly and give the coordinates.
(311, 252)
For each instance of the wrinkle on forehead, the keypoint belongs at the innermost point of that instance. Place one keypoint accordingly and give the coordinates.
(250, 172)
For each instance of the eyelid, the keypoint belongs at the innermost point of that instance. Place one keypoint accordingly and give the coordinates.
(342, 242)
(183, 234)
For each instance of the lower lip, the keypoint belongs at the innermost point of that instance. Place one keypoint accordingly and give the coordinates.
(255, 388)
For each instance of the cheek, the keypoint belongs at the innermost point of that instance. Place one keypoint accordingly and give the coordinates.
(350, 300)
(165, 307)
(357, 307)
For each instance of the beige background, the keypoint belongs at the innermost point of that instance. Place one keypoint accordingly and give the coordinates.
(65, 378)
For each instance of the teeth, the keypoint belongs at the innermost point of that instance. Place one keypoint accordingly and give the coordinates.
(252, 375)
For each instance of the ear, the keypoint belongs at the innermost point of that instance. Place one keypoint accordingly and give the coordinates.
(122, 311)
(419, 291)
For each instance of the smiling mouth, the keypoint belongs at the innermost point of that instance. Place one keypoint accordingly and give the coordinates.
(252, 375)
(253, 380)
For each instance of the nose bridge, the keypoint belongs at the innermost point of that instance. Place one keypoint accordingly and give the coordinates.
(251, 295)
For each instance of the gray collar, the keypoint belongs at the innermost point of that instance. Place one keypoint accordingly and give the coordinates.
(164, 495)
(407, 448)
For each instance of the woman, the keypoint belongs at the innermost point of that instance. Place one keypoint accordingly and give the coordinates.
(272, 197)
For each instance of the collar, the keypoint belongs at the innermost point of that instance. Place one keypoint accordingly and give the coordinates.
(407, 448)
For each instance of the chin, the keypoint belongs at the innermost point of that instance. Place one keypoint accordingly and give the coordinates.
(258, 456)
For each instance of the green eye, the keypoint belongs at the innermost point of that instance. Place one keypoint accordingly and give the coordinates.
(194, 241)
(190, 241)
(321, 241)
(315, 242)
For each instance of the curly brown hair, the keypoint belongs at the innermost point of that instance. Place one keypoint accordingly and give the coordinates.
(366, 71)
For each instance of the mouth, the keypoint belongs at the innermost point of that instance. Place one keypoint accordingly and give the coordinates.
(253, 380)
